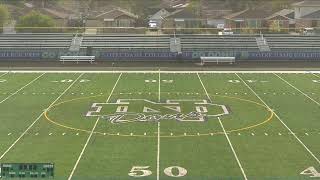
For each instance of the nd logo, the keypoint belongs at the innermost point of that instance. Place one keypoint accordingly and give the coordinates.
(130, 110)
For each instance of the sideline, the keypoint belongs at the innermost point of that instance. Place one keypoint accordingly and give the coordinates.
(173, 72)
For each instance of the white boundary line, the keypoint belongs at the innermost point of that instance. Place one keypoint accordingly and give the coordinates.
(173, 72)
(158, 137)
(306, 95)
(225, 133)
(15, 142)
(158, 153)
(8, 97)
(159, 90)
(310, 152)
(91, 133)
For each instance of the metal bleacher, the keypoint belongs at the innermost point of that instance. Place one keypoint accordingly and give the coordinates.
(127, 42)
(216, 42)
(159, 43)
(286, 42)
(32, 41)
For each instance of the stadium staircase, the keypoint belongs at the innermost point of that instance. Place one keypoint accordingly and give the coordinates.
(76, 43)
(175, 45)
(263, 44)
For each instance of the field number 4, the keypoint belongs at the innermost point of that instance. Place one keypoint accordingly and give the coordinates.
(70, 80)
(311, 172)
(142, 171)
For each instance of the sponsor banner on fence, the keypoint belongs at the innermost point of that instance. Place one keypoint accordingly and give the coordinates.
(236, 54)
(167, 55)
(144, 55)
(284, 55)
(38, 55)
(20, 55)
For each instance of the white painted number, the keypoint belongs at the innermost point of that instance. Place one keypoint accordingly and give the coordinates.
(179, 171)
(249, 81)
(70, 80)
(233, 81)
(167, 81)
(154, 81)
(140, 171)
(311, 172)
(201, 109)
(122, 109)
(84, 80)
(67, 80)
(150, 81)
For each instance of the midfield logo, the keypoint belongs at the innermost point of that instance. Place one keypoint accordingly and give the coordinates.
(142, 110)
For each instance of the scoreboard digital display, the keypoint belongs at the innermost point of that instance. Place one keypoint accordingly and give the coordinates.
(26, 170)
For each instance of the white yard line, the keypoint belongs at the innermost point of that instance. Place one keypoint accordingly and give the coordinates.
(172, 72)
(306, 95)
(4, 74)
(310, 152)
(159, 89)
(8, 97)
(315, 75)
(230, 144)
(158, 153)
(16, 141)
(205, 90)
(91, 133)
(113, 88)
(234, 152)
(83, 149)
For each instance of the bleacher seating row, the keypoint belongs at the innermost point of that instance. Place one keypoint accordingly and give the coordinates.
(214, 42)
(126, 41)
(278, 43)
(162, 42)
(39, 41)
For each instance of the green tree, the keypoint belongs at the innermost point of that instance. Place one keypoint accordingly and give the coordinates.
(4, 15)
(35, 22)
(195, 7)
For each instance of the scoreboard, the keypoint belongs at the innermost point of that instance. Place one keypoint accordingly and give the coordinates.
(26, 170)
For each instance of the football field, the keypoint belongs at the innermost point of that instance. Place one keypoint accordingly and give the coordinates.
(161, 125)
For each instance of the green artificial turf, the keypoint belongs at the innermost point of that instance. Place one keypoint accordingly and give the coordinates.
(263, 111)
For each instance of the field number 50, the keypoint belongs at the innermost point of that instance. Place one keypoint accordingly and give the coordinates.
(142, 171)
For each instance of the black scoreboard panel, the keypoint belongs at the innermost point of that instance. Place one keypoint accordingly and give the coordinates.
(26, 170)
